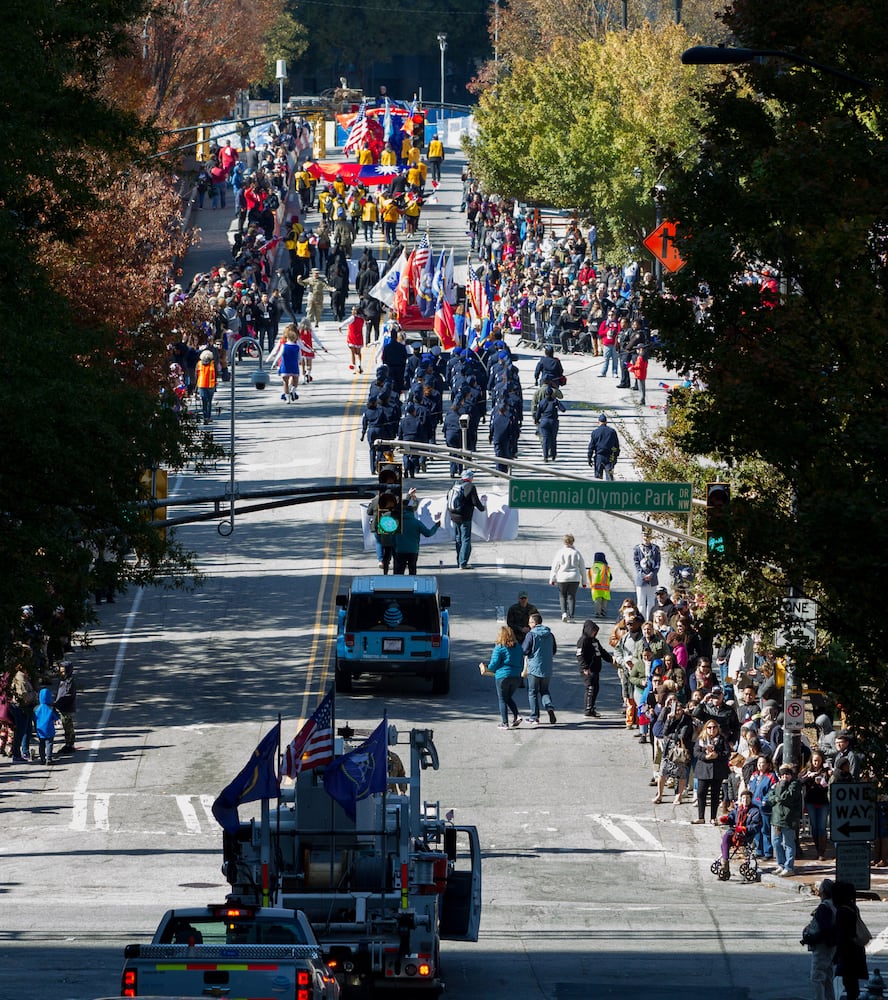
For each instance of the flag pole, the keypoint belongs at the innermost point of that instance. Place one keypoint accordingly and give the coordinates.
(277, 824)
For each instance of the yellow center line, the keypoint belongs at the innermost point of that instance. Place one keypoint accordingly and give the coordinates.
(321, 651)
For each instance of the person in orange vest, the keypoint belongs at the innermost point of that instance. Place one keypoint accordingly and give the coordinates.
(206, 384)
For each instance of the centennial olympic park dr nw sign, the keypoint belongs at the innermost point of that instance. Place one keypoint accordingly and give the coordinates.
(599, 494)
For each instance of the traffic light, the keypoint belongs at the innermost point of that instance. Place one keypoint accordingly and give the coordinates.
(718, 503)
(390, 500)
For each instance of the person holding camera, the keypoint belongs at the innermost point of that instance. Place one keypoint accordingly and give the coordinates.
(676, 731)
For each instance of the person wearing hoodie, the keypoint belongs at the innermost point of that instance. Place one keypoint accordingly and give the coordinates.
(590, 654)
(45, 719)
(826, 736)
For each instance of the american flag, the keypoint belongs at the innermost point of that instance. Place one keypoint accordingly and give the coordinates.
(421, 257)
(313, 744)
(360, 130)
(477, 295)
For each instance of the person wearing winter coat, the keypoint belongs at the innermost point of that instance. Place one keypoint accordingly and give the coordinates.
(45, 719)
(568, 572)
(785, 799)
(590, 654)
(710, 769)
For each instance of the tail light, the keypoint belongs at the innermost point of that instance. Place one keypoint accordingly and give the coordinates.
(129, 983)
(303, 986)
(350, 640)
(435, 640)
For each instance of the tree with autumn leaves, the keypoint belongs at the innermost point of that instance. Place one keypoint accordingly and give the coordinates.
(88, 231)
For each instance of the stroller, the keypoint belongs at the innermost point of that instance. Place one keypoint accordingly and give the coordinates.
(738, 842)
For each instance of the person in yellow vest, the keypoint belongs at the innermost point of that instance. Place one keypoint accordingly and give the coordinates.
(436, 157)
(365, 155)
(368, 218)
(413, 154)
(411, 213)
(388, 157)
(406, 144)
(339, 186)
(600, 584)
(414, 177)
(303, 188)
(423, 169)
(324, 203)
(390, 216)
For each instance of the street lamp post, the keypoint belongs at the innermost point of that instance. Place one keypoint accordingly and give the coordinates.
(260, 381)
(723, 55)
(281, 76)
(442, 43)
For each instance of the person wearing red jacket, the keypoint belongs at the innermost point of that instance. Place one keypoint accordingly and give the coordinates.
(639, 369)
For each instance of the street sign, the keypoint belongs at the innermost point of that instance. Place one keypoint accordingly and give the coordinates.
(853, 865)
(600, 494)
(852, 811)
(661, 243)
(802, 614)
(794, 715)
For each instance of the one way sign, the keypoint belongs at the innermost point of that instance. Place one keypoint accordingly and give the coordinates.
(852, 811)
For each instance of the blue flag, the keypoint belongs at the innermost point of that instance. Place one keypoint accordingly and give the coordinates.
(359, 773)
(258, 780)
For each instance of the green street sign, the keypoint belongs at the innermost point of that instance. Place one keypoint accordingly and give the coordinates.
(600, 494)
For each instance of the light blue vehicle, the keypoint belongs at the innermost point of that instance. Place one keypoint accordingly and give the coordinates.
(393, 625)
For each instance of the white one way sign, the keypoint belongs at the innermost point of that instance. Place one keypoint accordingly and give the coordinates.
(801, 627)
(852, 811)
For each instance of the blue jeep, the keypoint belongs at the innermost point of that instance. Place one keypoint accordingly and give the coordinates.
(393, 625)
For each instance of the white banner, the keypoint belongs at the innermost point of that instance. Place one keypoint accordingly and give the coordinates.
(499, 523)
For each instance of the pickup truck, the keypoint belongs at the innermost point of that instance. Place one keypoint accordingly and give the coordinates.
(230, 950)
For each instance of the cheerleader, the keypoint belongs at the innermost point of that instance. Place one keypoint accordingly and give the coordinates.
(308, 342)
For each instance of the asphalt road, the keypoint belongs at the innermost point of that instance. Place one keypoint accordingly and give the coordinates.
(589, 889)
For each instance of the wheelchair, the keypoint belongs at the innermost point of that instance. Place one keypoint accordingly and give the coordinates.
(748, 867)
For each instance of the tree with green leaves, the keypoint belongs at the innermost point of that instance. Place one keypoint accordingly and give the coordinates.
(581, 127)
(782, 223)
